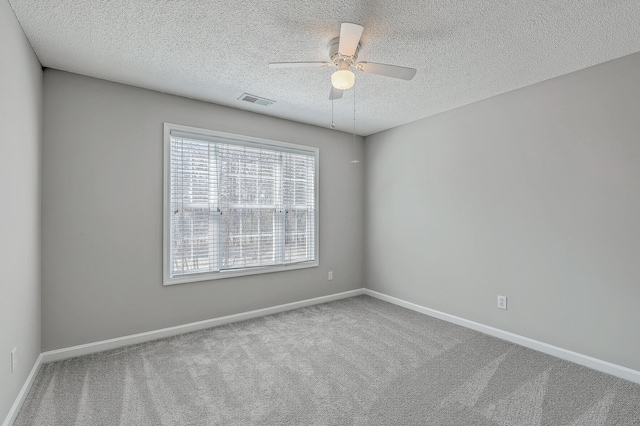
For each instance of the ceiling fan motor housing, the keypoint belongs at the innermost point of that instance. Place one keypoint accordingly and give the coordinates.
(337, 58)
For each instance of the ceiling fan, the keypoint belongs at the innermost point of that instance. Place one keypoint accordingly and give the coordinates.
(343, 52)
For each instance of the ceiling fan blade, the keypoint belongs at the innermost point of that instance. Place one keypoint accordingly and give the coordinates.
(388, 70)
(335, 93)
(349, 38)
(298, 64)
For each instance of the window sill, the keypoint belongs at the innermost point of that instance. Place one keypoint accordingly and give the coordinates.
(238, 273)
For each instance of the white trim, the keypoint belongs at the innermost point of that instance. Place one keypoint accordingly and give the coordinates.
(587, 361)
(90, 348)
(15, 408)
(166, 200)
(207, 276)
(217, 136)
(148, 336)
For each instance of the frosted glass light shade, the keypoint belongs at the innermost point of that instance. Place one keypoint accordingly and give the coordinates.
(343, 79)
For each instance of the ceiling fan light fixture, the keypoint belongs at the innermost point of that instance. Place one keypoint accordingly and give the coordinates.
(343, 79)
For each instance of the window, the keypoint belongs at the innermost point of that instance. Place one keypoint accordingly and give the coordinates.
(237, 205)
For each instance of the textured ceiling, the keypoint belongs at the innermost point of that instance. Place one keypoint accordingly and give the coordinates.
(216, 50)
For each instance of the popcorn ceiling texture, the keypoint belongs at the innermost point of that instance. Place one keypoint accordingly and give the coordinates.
(216, 50)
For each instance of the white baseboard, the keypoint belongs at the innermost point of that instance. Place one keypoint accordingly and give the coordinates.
(104, 345)
(90, 348)
(15, 408)
(148, 336)
(587, 361)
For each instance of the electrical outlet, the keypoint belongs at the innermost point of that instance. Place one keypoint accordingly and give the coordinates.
(14, 359)
(502, 302)
(330, 275)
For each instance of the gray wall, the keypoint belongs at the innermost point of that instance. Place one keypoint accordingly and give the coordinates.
(534, 194)
(102, 213)
(20, 120)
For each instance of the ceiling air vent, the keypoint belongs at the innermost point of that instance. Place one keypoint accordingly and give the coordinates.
(255, 99)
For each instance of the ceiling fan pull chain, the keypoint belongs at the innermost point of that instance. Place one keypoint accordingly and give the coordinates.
(354, 161)
(333, 126)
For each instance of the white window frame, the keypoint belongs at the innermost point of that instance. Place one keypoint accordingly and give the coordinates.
(166, 234)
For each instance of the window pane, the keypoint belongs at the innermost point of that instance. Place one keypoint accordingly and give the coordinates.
(298, 196)
(248, 237)
(191, 245)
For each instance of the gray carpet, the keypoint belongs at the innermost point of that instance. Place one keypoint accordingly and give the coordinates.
(356, 361)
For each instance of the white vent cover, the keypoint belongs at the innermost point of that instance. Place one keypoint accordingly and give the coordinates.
(255, 99)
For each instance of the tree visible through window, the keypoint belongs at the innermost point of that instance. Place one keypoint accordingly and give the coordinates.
(237, 205)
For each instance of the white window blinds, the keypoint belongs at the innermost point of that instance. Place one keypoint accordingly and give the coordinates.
(236, 205)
